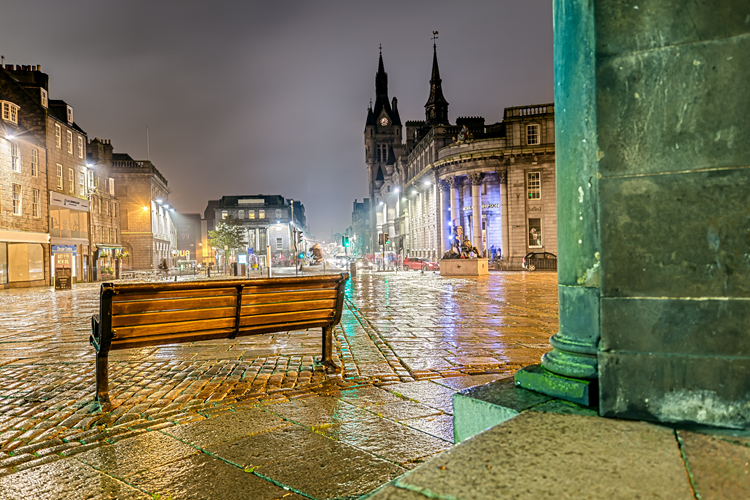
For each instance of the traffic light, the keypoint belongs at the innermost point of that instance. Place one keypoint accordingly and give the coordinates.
(380, 238)
(386, 238)
(345, 241)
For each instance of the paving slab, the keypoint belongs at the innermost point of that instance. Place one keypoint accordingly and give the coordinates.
(719, 468)
(386, 439)
(65, 479)
(202, 476)
(227, 426)
(548, 455)
(131, 456)
(320, 411)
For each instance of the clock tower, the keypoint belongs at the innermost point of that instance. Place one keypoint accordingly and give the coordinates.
(382, 143)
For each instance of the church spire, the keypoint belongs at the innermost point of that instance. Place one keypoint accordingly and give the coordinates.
(381, 88)
(436, 109)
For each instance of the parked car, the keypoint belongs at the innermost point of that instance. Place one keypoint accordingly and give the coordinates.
(540, 260)
(416, 264)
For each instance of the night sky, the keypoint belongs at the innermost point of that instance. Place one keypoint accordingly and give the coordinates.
(271, 97)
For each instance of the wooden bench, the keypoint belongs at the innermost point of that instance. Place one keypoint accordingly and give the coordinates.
(148, 314)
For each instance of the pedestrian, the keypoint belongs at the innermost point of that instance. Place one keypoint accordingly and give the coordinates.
(492, 252)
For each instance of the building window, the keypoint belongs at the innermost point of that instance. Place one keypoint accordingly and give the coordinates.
(70, 114)
(17, 199)
(240, 214)
(10, 112)
(34, 162)
(261, 214)
(71, 181)
(58, 136)
(15, 156)
(44, 98)
(106, 207)
(59, 176)
(82, 183)
(70, 142)
(533, 185)
(278, 214)
(80, 147)
(279, 244)
(251, 214)
(532, 135)
(35, 212)
(224, 214)
(111, 186)
(535, 232)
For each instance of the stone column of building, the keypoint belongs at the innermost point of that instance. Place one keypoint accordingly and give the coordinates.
(442, 212)
(454, 185)
(504, 215)
(476, 209)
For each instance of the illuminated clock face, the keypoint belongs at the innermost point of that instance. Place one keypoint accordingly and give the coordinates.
(384, 121)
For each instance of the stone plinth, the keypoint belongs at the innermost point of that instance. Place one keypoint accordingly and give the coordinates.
(463, 267)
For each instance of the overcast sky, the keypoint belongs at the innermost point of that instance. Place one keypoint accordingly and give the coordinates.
(271, 97)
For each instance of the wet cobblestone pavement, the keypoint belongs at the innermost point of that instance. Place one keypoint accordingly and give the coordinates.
(253, 412)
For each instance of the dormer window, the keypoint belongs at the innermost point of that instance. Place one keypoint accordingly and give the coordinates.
(44, 97)
(70, 114)
(10, 112)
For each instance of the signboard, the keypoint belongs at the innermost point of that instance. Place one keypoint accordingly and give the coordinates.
(71, 249)
(61, 200)
(63, 270)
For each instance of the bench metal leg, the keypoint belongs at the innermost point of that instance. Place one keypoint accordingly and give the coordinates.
(327, 358)
(102, 379)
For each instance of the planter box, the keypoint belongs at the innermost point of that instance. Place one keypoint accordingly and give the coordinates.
(463, 267)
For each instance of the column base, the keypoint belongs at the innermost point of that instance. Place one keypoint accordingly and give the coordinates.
(537, 378)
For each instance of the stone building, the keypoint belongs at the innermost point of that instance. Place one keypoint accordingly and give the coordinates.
(51, 123)
(24, 223)
(443, 175)
(105, 229)
(148, 234)
(359, 231)
(267, 219)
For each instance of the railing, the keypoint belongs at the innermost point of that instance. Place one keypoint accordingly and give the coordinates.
(540, 109)
(127, 164)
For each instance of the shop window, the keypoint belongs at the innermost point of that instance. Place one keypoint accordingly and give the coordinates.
(535, 233)
(25, 262)
(533, 185)
(279, 244)
(3, 263)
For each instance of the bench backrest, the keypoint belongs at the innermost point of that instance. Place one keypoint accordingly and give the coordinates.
(144, 314)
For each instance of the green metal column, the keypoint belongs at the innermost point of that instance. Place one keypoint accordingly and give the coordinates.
(572, 364)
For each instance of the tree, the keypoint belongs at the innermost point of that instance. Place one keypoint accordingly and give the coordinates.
(228, 233)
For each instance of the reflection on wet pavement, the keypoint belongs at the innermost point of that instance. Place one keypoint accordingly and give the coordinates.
(254, 411)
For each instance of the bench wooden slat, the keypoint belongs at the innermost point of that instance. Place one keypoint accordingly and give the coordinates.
(173, 304)
(126, 296)
(269, 298)
(183, 338)
(169, 316)
(269, 319)
(252, 289)
(166, 328)
(148, 318)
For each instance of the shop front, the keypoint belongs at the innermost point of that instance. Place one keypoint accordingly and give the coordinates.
(107, 261)
(22, 255)
(69, 223)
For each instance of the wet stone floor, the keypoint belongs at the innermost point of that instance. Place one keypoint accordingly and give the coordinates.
(252, 417)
